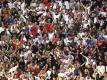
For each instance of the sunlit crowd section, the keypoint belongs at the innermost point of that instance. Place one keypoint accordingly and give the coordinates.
(53, 39)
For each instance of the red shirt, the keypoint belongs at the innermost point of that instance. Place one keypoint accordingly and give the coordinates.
(34, 68)
(14, 46)
(58, 9)
(49, 27)
(48, 5)
(33, 31)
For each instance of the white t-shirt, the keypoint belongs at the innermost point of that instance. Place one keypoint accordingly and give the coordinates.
(1, 29)
(77, 40)
(81, 34)
(54, 6)
(33, 4)
(66, 41)
(23, 7)
(101, 69)
(37, 78)
(84, 41)
(13, 69)
(85, 24)
(50, 36)
(66, 17)
(60, 74)
(25, 54)
(66, 3)
(49, 74)
(103, 13)
(56, 16)
(10, 5)
(105, 36)
(59, 2)
(17, 4)
(95, 20)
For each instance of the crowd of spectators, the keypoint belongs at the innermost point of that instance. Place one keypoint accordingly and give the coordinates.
(53, 39)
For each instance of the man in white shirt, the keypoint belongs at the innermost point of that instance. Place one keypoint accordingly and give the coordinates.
(66, 17)
(23, 7)
(1, 29)
(56, 16)
(10, 4)
(49, 74)
(66, 3)
(101, 69)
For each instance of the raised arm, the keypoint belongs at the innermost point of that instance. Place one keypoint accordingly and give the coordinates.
(82, 4)
(91, 3)
(83, 64)
(85, 6)
(85, 57)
